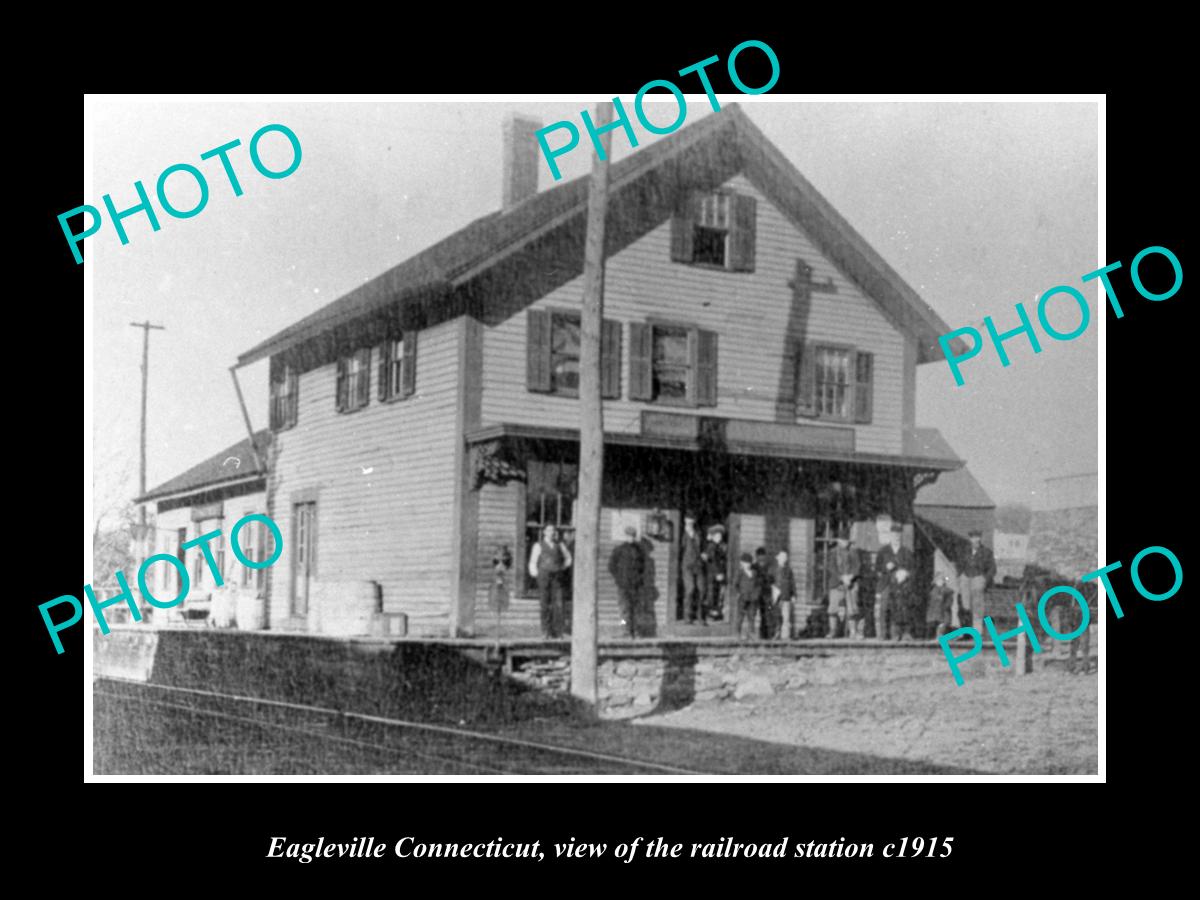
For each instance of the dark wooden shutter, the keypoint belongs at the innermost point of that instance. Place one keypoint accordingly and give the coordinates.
(341, 385)
(864, 386)
(806, 380)
(408, 366)
(537, 346)
(610, 359)
(706, 368)
(683, 228)
(293, 402)
(385, 370)
(742, 233)
(641, 361)
(364, 377)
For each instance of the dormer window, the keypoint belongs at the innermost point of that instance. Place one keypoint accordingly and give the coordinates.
(715, 229)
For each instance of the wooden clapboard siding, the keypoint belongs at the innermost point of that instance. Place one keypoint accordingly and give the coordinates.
(749, 311)
(384, 477)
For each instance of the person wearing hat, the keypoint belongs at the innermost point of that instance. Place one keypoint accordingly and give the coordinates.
(691, 566)
(976, 568)
(843, 596)
(748, 589)
(628, 568)
(894, 566)
(783, 590)
(716, 564)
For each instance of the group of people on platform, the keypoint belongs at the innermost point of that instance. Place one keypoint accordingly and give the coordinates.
(880, 597)
(886, 593)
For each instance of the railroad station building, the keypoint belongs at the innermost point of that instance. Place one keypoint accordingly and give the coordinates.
(759, 365)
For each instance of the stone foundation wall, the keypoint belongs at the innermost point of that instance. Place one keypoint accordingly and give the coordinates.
(635, 681)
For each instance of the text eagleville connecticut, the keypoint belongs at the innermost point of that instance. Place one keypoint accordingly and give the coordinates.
(202, 542)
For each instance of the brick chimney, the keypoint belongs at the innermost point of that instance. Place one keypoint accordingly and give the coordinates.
(520, 159)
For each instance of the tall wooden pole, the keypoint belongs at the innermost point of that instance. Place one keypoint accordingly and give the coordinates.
(145, 326)
(591, 432)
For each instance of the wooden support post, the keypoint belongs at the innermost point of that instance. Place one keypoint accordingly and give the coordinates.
(591, 433)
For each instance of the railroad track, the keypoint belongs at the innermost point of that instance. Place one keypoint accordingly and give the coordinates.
(372, 743)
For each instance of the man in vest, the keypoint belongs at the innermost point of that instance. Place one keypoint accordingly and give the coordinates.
(548, 563)
(976, 569)
(692, 569)
(843, 596)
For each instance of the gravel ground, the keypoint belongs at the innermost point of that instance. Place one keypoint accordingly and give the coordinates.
(1044, 723)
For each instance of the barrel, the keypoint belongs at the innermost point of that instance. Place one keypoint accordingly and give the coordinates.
(346, 608)
(251, 611)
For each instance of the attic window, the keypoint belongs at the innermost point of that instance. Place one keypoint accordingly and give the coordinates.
(711, 232)
(715, 229)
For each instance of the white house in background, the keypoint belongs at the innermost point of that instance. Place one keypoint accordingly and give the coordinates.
(210, 496)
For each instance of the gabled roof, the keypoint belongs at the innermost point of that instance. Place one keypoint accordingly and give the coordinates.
(232, 464)
(957, 488)
(514, 254)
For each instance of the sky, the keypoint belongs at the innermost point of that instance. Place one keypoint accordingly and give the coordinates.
(978, 206)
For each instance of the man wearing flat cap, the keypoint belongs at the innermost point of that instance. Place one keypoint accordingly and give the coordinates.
(976, 569)
(894, 566)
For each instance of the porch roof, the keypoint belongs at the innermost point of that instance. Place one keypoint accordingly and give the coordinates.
(735, 446)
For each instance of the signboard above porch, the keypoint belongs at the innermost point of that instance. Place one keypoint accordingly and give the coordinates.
(745, 433)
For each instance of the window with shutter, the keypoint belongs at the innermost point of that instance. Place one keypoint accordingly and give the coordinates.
(284, 395)
(834, 383)
(715, 229)
(396, 359)
(553, 346)
(354, 380)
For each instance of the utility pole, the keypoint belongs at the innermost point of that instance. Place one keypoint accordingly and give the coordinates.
(145, 326)
(591, 431)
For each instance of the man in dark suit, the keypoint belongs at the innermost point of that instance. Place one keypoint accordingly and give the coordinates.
(627, 565)
(894, 566)
(976, 569)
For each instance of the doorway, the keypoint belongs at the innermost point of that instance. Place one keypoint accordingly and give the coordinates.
(304, 527)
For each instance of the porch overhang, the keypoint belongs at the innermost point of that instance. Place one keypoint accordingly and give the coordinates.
(738, 437)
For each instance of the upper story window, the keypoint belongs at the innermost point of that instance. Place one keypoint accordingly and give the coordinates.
(398, 366)
(354, 380)
(285, 394)
(835, 382)
(672, 363)
(553, 341)
(715, 229)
